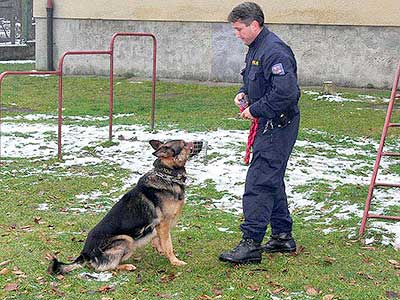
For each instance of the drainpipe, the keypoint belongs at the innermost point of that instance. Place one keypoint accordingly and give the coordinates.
(49, 9)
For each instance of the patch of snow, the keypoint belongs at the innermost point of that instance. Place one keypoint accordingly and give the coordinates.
(311, 163)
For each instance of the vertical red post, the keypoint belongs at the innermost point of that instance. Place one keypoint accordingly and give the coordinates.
(60, 103)
(154, 78)
(110, 117)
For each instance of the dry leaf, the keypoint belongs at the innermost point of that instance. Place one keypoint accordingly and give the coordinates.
(366, 276)
(329, 260)
(310, 290)
(328, 297)
(11, 287)
(205, 297)
(369, 248)
(6, 262)
(41, 280)
(394, 263)
(4, 271)
(26, 228)
(278, 291)
(50, 256)
(164, 296)
(106, 288)
(127, 267)
(274, 284)
(18, 272)
(38, 220)
(254, 287)
(168, 277)
(217, 291)
(392, 295)
(60, 277)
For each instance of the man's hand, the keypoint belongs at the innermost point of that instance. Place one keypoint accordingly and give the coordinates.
(238, 98)
(246, 114)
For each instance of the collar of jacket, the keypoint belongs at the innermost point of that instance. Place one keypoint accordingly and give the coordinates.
(263, 33)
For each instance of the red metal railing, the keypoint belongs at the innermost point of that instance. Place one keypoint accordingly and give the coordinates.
(59, 72)
(379, 155)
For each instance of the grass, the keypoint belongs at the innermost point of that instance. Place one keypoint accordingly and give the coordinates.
(335, 264)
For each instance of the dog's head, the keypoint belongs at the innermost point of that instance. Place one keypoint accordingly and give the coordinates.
(175, 153)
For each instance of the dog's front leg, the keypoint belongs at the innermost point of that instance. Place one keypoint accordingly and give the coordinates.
(164, 234)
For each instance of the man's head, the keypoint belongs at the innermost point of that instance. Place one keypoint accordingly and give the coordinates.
(247, 20)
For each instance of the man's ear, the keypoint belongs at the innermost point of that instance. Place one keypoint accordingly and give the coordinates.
(254, 25)
(155, 144)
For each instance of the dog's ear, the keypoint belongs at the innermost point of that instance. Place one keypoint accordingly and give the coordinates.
(163, 152)
(155, 144)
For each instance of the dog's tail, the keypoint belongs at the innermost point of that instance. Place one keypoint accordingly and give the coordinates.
(56, 267)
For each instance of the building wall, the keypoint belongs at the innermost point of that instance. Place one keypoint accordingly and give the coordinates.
(362, 53)
(333, 12)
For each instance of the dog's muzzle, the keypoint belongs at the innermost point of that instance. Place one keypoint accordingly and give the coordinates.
(195, 147)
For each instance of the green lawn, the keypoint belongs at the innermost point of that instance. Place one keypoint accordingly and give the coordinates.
(331, 262)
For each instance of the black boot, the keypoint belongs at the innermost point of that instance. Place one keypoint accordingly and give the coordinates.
(282, 242)
(248, 251)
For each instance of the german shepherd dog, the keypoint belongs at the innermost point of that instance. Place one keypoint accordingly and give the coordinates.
(146, 213)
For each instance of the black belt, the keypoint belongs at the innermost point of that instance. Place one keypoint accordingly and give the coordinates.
(282, 119)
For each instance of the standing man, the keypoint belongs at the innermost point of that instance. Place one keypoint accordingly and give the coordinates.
(271, 91)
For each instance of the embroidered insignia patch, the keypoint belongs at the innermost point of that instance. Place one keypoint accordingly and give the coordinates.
(255, 62)
(278, 69)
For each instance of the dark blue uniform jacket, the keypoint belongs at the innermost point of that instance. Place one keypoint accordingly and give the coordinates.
(270, 76)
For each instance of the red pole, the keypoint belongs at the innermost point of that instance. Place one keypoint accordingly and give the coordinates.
(153, 95)
(60, 103)
(110, 117)
(154, 79)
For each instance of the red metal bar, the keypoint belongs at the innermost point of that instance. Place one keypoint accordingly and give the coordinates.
(154, 77)
(384, 217)
(60, 86)
(380, 150)
(387, 184)
(59, 72)
(395, 154)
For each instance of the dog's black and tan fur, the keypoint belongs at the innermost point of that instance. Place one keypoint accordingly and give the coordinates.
(146, 213)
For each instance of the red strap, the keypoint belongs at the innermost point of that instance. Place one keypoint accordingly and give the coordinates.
(250, 140)
(251, 137)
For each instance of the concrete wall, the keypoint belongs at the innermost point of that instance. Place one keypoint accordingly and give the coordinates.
(17, 52)
(349, 55)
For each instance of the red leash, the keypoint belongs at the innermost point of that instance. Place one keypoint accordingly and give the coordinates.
(252, 135)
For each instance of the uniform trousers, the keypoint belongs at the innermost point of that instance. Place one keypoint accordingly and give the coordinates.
(264, 198)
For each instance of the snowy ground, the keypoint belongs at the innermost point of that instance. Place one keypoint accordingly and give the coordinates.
(344, 161)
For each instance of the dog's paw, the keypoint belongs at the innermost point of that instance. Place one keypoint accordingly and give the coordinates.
(177, 262)
(126, 267)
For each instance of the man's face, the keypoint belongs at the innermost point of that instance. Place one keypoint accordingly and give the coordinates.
(247, 33)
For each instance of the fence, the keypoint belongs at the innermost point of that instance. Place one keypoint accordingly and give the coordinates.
(16, 21)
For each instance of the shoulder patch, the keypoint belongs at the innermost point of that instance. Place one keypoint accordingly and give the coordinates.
(277, 69)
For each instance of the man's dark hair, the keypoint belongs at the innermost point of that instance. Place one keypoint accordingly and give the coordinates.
(246, 13)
